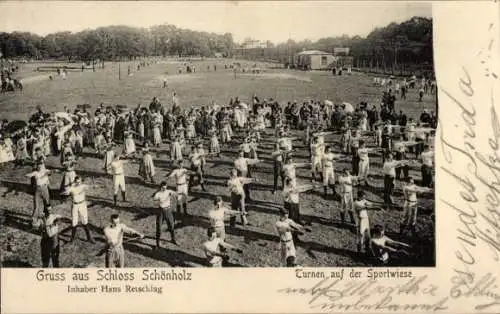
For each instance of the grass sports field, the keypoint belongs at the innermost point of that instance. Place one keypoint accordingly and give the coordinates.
(328, 243)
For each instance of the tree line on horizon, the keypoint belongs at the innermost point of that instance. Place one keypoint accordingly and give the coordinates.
(394, 44)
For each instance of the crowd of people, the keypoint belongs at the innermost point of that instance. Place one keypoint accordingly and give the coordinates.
(365, 131)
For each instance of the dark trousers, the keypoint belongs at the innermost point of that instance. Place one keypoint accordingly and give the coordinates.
(236, 204)
(278, 173)
(402, 171)
(165, 214)
(426, 176)
(41, 199)
(388, 189)
(355, 164)
(50, 251)
(293, 211)
(196, 178)
(419, 148)
(246, 187)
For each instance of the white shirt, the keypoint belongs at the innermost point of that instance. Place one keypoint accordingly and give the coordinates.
(41, 177)
(389, 168)
(196, 158)
(179, 175)
(427, 158)
(217, 216)
(245, 147)
(241, 164)
(236, 185)
(289, 170)
(328, 160)
(345, 184)
(317, 149)
(77, 193)
(213, 246)
(363, 153)
(117, 167)
(410, 192)
(163, 197)
(360, 207)
(114, 235)
(283, 227)
(50, 226)
(286, 143)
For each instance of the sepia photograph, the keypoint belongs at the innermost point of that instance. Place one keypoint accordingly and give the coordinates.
(214, 134)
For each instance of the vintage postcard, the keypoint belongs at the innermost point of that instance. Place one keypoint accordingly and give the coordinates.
(255, 156)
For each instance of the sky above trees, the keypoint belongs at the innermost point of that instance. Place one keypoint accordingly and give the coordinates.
(272, 21)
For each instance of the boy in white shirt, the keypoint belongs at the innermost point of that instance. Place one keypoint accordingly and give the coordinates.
(285, 226)
(361, 206)
(381, 245)
(410, 207)
(115, 254)
(346, 183)
(79, 211)
(164, 198)
(328, 163)
(118, 172)
(217, 217)
(214, 247)
(181, 180)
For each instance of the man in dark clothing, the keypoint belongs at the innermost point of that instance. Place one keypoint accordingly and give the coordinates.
(425, 117)
(50, 238)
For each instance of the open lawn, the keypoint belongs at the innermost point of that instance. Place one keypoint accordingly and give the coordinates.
(328, 243)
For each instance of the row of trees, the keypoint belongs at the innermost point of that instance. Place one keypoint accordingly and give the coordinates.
(113, 42)
(390, 46)
(396, 44)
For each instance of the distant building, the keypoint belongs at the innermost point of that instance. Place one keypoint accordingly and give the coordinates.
(313, 60)
(252, 44)
(219, 55)
(341, 51)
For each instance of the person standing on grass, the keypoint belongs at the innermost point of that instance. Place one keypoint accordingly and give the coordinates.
(285, 227)
(410, 207)
(79, 212)
(328, 163)
(109, 156)
(40, 179)
(236, 186)
(280, 156)
(290, 168)
(147, 167)
(181, 179)
(355, 141)
(196, 159)
(176, 149)
(382, 247)
(389, 170)
(364, 162)
(427, 158)
(164, 198)
(317, 151)
(49, 242)
(69, 174)
(241, 165)
(361, 206)
(291, 196)
(217, 217)
(116, 169)
(346, 183)
(214, 247)
(214, 141)
(115, 254)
